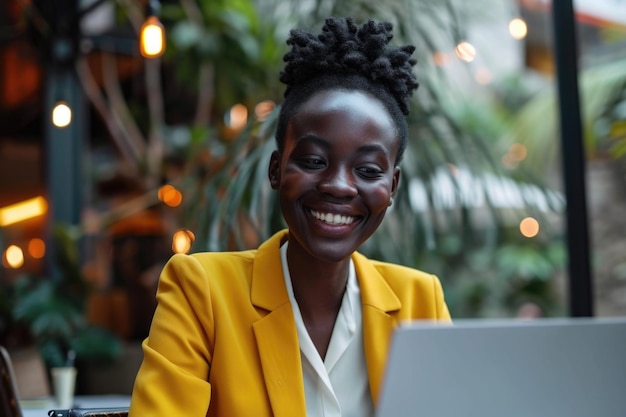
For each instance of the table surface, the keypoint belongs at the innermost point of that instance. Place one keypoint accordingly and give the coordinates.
(40, 407)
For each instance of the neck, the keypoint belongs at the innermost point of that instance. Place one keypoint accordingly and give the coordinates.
(318, 288)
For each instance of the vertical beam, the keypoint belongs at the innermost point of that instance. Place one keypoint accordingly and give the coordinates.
(573, 153)
(63, 146)
(64, 155)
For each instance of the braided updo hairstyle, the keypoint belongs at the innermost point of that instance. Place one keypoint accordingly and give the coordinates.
(346, 56)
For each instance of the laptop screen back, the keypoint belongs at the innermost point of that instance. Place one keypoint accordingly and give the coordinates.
(507, 368)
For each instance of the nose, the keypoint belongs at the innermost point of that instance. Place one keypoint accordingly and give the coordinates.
(338, 183)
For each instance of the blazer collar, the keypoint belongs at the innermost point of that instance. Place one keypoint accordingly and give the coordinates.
(275, 332)
(375, 292)
(379, 304)
(268, 285)
(277, 337)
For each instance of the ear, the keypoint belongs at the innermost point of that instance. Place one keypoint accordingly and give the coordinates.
(395, 182)
(273, 170)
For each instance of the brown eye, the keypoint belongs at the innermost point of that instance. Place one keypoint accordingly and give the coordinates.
(370, 172)
(312, 163)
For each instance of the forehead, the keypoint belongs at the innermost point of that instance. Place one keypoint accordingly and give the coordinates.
(356, 101)
(344, 109)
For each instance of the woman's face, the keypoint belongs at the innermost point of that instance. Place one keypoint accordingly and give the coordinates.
(336, 175)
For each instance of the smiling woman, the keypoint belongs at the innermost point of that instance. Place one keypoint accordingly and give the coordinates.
(302, 325)
(337, 166)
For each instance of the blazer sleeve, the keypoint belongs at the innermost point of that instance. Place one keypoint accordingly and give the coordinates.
(173, 377)
(442, 308)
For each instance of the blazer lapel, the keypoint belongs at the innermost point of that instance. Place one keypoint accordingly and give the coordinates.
(276, 335)
(378, 301)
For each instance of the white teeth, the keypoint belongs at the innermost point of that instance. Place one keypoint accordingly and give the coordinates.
(332, 218)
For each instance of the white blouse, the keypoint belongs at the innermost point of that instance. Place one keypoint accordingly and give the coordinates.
(338, 386)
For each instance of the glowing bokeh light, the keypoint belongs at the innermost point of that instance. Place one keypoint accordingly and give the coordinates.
(465, 51)
(23, 210)
(61, 114)
(152, 38)
(518, 28)
(170, 196)
(237, 117)
(182, 240)
(264, 109)
(13, 257)
(36, 248)
(529, 227)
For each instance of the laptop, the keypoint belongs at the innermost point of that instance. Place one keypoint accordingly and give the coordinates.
(548, 367)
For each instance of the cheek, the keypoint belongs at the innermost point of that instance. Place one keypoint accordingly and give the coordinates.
(377, 196)
(292, 184)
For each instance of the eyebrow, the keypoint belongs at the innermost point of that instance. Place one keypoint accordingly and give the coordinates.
(316, 139)
(368, 148)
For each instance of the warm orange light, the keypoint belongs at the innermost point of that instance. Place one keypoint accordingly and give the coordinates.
(518, 28)
(529, 227)
(170, 196)
(238, 117)
(182, 240)
(264, 109)
(24, 210)
(13, 257)
(152, 38)
(36, 248)
(61, 114)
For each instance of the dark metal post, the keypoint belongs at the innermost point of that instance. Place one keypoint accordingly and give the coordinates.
(565, 46)
(64, 155)
(64, 145)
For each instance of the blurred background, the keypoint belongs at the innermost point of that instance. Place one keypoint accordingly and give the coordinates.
(115, 154)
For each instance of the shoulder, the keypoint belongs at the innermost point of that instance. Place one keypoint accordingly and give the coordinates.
(410, 292)
(210, 260)
(224, 259)
(202, 268)
(396, 274)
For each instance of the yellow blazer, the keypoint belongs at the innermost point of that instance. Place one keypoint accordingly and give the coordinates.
(223, 340)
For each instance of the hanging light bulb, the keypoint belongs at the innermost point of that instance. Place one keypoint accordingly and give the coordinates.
(61, 114)
(152, 38)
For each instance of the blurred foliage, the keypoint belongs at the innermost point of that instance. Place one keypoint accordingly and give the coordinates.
(51, 312)
(603, 112)
(484, 281)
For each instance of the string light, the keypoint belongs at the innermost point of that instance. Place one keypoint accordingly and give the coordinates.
(61, 114)
(152, 38)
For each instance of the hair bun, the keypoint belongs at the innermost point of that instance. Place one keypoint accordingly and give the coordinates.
(345, 48)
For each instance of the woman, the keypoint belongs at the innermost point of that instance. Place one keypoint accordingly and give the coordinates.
(302, 325)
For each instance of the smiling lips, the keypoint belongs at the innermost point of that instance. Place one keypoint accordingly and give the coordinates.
(334, 219)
